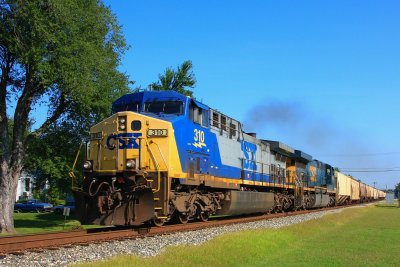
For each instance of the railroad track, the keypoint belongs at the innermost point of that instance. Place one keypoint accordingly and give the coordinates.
(18, 244)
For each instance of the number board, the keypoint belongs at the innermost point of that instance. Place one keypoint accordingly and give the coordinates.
(157, 132)
(96, 136)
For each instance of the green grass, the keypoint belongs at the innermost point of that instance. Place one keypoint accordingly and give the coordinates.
(32, 223)
(367, 236)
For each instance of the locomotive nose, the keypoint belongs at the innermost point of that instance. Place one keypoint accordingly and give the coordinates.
(124, 171)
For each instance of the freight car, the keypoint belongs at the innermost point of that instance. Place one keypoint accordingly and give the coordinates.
(349, 190)
(343, 189)
(162, 156)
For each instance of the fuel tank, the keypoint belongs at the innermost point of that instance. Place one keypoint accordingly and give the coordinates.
(246, 202)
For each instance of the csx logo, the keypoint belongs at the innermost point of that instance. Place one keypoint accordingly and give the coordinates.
(249, 151)
(125, 141)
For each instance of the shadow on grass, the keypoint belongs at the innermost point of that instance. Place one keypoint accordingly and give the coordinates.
(39, 220)
(386, 206)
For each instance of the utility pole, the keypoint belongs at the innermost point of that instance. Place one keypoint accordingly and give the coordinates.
(374, 184)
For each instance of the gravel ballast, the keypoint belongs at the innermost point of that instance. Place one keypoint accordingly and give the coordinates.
(148, 246)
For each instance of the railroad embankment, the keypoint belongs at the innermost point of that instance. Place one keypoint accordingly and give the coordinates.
(354, 237)
(363, 235)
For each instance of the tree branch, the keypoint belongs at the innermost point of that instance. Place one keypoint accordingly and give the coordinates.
(21, 116)
(62, 105)
(5, 72)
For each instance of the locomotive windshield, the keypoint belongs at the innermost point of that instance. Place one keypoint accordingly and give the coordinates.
(166, 107)
(135, 107)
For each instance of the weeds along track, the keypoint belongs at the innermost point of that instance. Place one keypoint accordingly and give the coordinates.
(18, 244)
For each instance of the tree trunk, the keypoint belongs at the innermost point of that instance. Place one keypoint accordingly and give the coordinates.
(8, 188)
(11, 160)
(7, 183)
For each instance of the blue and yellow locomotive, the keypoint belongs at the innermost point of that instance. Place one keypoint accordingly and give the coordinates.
(162, 156)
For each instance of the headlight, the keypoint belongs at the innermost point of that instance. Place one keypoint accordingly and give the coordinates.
(121, 123)
(130, 164)
(87, 165)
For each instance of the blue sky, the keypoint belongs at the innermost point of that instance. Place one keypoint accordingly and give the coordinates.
(321, 76)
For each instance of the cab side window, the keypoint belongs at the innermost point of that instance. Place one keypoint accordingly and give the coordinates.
(204, 118)
(198, 115)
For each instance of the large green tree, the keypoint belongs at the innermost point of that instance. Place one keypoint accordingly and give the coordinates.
(177, 80)
(60, 53)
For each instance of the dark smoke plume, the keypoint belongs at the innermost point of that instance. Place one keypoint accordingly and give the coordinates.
(319, 134)
(293, 119)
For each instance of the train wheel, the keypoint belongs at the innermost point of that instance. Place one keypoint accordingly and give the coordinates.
(183, 218)
(158, 222)
(204, 216)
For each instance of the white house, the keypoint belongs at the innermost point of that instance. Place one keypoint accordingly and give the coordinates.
(25, 187)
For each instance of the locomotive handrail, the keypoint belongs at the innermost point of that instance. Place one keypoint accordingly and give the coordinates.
(98, 154)
(71, 173)
(162, 155)
(117, 156)
(157, 167)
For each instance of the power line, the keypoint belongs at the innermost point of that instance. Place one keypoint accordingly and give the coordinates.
(360, 155)
(369, 168)
(372, 170)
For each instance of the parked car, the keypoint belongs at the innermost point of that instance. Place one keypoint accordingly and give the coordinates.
(60, 209)
(32, 205)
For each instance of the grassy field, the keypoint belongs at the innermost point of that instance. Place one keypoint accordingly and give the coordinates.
(355, 237)
(30, 223)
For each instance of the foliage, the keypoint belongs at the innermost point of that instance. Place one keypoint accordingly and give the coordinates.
(51, 195)
(69, 50)
(63, 54)
(353, 237)
(36, 194)
(177, 80)
(50, 159)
